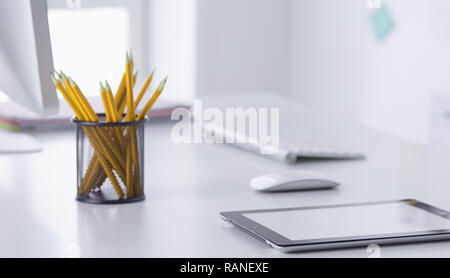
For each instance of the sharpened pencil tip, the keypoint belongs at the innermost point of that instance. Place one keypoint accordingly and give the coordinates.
(102, 88)
(63, 75)
(163, 83)
(55, 81)
(108, 88)
(72, 83)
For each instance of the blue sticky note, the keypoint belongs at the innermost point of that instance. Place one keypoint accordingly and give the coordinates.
(381, 22)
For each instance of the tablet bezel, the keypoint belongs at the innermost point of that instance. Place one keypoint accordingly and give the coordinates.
(264, 233)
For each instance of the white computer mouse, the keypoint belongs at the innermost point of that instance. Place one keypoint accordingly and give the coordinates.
(292, 181)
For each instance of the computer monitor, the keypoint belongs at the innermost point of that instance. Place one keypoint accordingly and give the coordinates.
(25, 55)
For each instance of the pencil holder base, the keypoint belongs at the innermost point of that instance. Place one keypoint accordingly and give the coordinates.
(101, 201)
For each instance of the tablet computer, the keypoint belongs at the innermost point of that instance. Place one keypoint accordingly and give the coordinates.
(342, 226)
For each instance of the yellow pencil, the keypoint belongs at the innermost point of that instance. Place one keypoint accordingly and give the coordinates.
(152, 100)
(129, 181)
(68, 99)
(131, 116)
(84, 103)
(111, 111)
(94, 142)
(144, 89)
(116, 150)
(116, 159)
(130, 100)
(105, 103)
(122, 103)
(121, 91)
(72, 94)
(131, 59)
(93, 176)
(111, 103)
(98, 178)
(71, 91)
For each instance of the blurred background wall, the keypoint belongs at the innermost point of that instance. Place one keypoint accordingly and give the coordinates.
(321, 52)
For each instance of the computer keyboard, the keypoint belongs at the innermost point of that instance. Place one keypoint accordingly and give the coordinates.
(301, 147)
(291, 149)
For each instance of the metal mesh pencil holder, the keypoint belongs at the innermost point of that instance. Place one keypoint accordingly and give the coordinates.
(110, 161)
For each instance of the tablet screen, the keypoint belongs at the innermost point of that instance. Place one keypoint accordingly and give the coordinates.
(349, 221)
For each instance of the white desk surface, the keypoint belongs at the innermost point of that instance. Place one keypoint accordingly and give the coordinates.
(187, 185)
